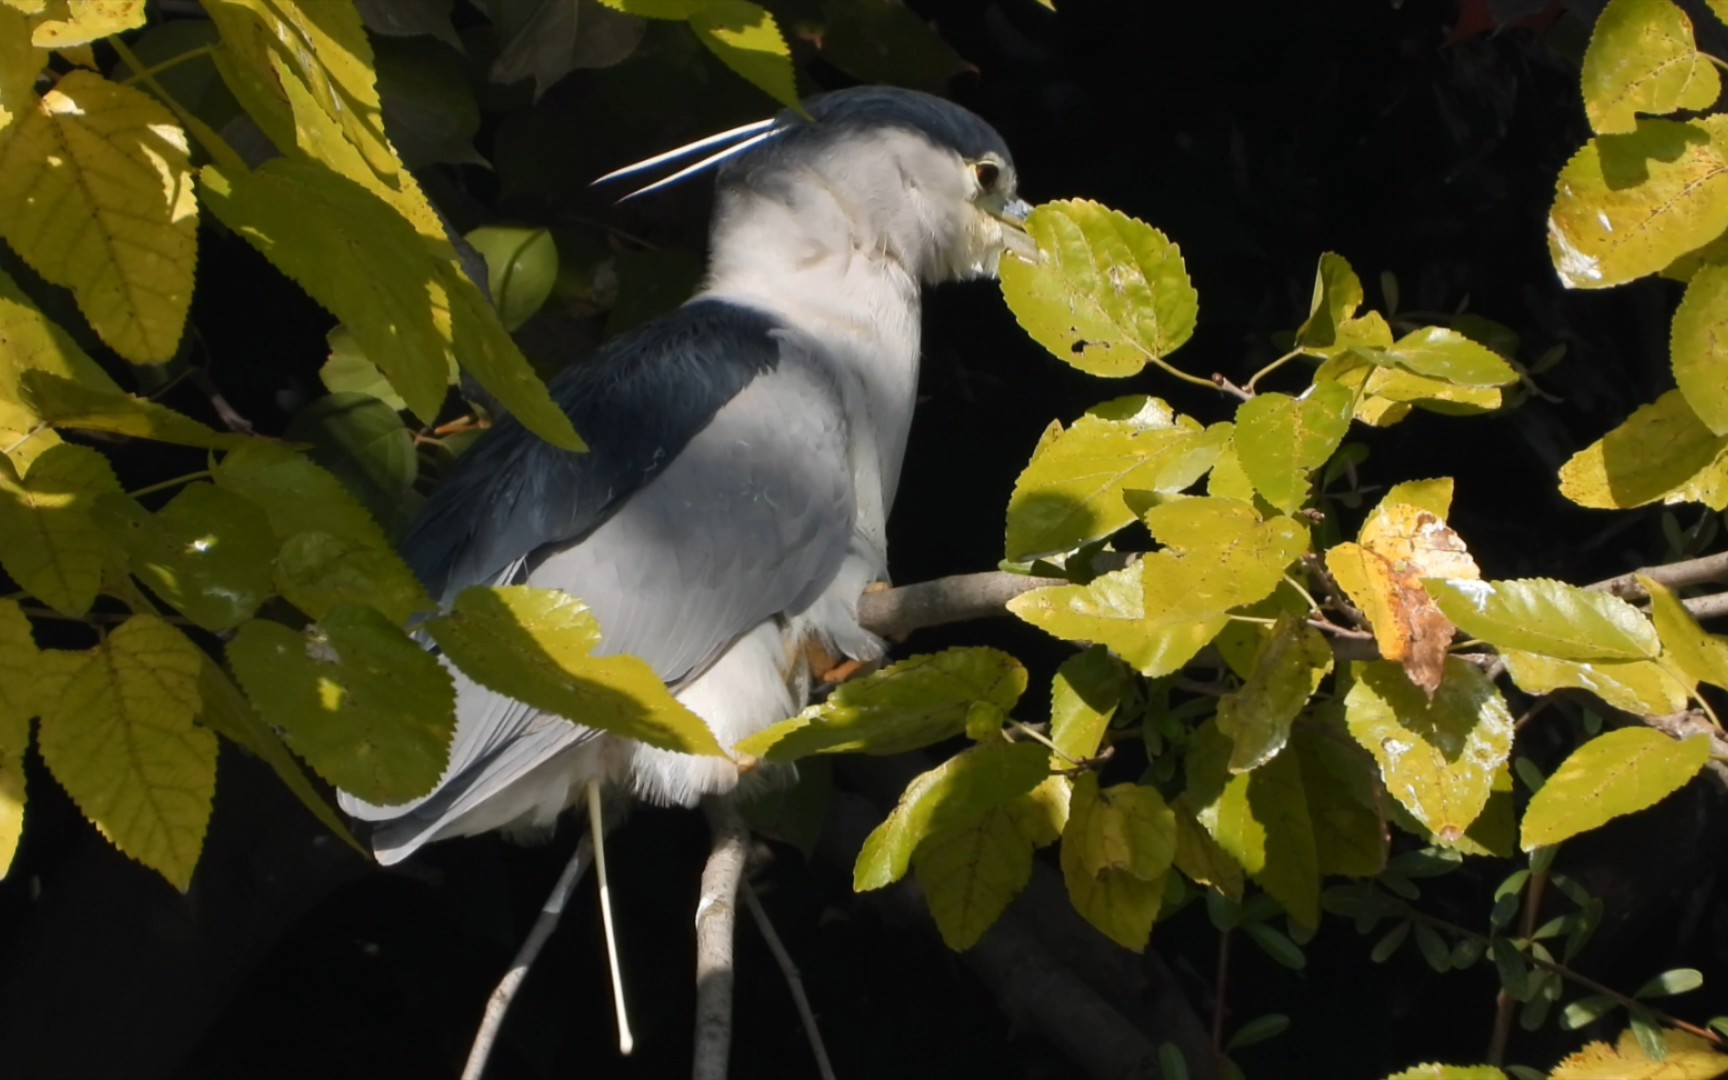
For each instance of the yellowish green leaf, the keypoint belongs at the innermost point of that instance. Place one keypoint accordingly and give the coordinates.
(1434, 496)
(1449, 1072)
(1116, 850)
(521, 268)
(1699, 347)
(1435, 352)
(949, 798)
(1107, 294)
(1227, 480)
(1257, 716)
(85, 21)
(318, 571)
(35, 345)
(1260, 819)
(20, 63)
(19, 668)
(96, 195)
(1628, 205)
(65, 403)
(907, 705)
(1087, 688)
(48, 542)
(1337, 295)
(1438, 757)
(747, 39)
(1548, 617)
(1640, 687)
(227, 712)
(1688, 1058)
(117, 732)
(1610, 776)
(1200, 857)
(1659, 452)
(969, 876)
(296, 494)
(1072, 491)
(207, 553)
(1280, 439)
(1642, 59)
(1686, 649)
(536, 646)
(369, 709)
(1343, 804)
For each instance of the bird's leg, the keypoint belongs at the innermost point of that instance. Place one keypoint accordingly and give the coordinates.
(833, 670)
(626, 1042)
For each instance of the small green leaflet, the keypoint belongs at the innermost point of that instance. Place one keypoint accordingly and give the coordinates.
(1280, 439)
(1548, 617)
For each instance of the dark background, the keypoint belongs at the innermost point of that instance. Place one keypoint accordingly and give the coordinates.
(1410, 138)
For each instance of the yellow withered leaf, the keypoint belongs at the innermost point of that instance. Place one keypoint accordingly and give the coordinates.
(96, 195)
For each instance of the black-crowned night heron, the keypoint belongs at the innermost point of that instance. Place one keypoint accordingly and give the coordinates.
(745, 452)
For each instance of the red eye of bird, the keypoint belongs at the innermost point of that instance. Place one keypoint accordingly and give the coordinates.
(988, 173)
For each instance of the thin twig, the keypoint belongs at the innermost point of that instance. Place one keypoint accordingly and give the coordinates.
(499, 1003)
(1219, 993)
(716, 917)
(164, 485)
(794, 981)
(1254, 379)
(1698, 571)
(1504, 1003)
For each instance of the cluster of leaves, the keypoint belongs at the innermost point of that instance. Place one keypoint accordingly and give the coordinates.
(265, 558)
(1293, 753)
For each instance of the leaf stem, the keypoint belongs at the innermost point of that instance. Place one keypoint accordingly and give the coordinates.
(1039, 736)
(220, 152)
(1255, 378)
(171, 62)
(164, 485)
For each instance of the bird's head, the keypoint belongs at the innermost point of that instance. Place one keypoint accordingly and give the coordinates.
(889, 172)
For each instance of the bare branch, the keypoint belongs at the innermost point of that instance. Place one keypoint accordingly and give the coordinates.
(794, 981)
(716, 916)
(1699, 571)
(894, 613)
(499, 1003)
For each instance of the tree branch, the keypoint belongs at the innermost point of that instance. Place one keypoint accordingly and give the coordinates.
(499, 1003)
(894, 613)
(1709, 568)
(716, 916)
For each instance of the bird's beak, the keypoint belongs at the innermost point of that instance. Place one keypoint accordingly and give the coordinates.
(1015, 238)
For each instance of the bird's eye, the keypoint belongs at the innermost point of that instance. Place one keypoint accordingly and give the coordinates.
(987, 172)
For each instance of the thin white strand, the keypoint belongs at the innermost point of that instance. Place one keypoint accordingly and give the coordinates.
(687, 149)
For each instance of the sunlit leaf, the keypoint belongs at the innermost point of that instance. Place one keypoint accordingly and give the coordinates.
(1435, 352)
(48, 542)
(1686, 648)
(35, 345)
(969, 876)
(1072, 491)
(1640, 687)
(1688, 1058)
(19, 65)
(117, 732)
(206, 553)
(1400, 545)
(296, 494)
(80, 22)
(66, 403)
(1662, 451)
(1257, 716)
(96, 195)
(1548, 617)
(521, 268)
(1261, 819)
(1200, 857)
(1280, 439)
(227, 712)
(1642, 59)
(1628, 205)
(1083, 697)
(947, 799)
(1699, 347)
(1116, 850)
(1438, 757)
(1611, 776)
(1449, 1072)
(368, 708)
(907, 705)
(1107, 294)
(536, 646)
(19, 660)
(747, 39)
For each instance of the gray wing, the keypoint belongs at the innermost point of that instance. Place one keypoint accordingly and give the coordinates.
(752, 518)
